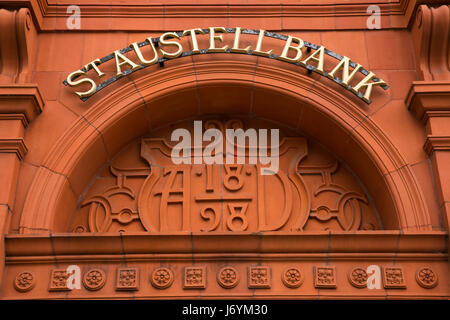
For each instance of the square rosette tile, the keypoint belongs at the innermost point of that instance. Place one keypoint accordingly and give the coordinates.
(58, 280)
(394, 278)
(325, 277)
(259, 277)
(127, 279)
(194, 278)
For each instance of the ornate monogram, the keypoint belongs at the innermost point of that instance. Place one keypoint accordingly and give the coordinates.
(94, 279)
(58, 280)
(150, 193)
(161, 278)
(199, 192)
(194, 278)
(228, 277)
(426, 278)
(334, 201)
(394, 277)
(127, 279)
(292, 277)
(325, 277)
(111, 206)
(259, 277)
(24, 281)
(358, 277)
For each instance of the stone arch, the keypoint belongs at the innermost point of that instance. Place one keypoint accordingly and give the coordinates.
(172, 93)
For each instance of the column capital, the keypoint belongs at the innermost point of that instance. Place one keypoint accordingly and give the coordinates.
(435, 143)
(21, 99)
(427, 99)
(16, 146)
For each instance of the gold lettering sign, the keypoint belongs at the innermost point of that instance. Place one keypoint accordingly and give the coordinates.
(295, 51)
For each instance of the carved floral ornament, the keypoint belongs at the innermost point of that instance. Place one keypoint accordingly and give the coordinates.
(228, 277)
(127, 279)
(292, 52)
(358, 277)
(94, 279)
(426, 277)
(161, 278)
(292, 277)
(24, 281)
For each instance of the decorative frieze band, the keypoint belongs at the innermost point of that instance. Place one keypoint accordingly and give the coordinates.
(228, 277)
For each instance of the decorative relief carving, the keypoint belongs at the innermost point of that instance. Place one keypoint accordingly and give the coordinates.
(94, 279)
(17, 53)
(394, 278)
(161, 278)
(127, 279)
(259, 277)
(24, 281)
(229, 197)
(228, 277)
(426, 277)
(292, 277)
(334, 198)
(430, 32)
(148, 192)
(194, 278)
(324, 277)
(58, 280)
(358, 277)
(111, 205)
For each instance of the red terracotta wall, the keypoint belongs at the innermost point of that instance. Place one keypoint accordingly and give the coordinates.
(56, 150)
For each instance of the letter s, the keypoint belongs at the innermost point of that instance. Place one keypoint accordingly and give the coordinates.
(76, 83)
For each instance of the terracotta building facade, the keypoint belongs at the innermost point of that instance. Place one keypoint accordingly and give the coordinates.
(356, 95)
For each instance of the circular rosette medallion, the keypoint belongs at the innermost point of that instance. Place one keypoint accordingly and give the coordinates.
(24, 281)
(94, 279)
(358, 277)
(161, 278)
(426, 278)
(292, 277)
(228, 277)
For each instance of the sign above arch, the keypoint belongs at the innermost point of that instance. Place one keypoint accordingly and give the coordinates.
(292, 53)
